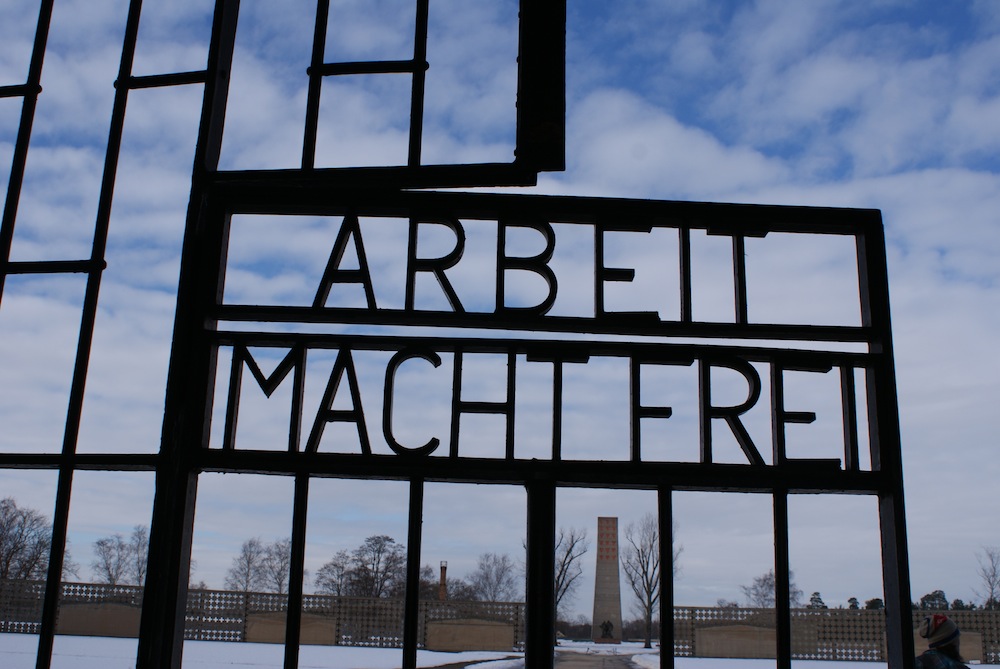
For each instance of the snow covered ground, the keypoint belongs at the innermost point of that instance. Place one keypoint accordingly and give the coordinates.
(17, 651)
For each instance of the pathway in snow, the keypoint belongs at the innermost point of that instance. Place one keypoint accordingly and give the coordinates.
(588, 661)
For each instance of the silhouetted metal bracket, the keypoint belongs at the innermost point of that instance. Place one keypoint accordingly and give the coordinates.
(540, 122)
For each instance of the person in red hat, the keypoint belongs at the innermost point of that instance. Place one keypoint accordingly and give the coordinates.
(942, 636)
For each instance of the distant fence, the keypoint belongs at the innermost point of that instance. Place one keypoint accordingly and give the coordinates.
(213, 615)
(818, 634)
(216, 615)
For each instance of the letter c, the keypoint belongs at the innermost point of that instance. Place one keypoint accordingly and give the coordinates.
(390, 381)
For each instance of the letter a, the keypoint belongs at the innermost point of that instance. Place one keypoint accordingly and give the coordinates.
(349, 229)
(327, 414)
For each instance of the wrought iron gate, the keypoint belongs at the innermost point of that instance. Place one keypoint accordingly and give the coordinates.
(440, 340)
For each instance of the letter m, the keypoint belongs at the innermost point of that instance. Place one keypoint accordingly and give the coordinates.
(294, 360)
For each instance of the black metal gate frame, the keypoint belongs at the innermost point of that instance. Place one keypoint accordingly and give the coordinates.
(216, 196)
(194, 364)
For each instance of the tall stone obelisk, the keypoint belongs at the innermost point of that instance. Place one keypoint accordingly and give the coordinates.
(607, 585)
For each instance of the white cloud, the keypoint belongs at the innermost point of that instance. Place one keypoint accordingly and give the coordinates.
(620, 144)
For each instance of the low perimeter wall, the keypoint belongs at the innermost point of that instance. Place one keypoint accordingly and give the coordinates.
(818, 634)
(212, 615)
(745, 641)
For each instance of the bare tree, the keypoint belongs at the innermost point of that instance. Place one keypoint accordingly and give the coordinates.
(333, 578)
(111, 560)
(641, 563)
(245, 573)
(378, 567)
(571, 545)
(495, 578)
(760, 594)
(120, 560)
(989, 576)
(275, 565)
(25, 541)
(70, 566)
(456, 589)
(460, 590)
(138, 545)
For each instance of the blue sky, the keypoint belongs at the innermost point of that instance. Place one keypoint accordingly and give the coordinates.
(888, 105)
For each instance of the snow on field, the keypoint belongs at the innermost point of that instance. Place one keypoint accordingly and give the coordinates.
(650, 659)
(17, 651)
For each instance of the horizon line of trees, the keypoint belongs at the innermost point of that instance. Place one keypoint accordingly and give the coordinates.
(760, 594)
(377, 567)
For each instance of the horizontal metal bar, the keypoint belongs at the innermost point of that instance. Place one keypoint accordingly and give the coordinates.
(803, 476)
(612, 323)
(56, 266)
(19, 90)
(369, 67)
(539, 349)
(423, 176)
(84, 461)
(296, 191)
(172, 79)
(796, 476)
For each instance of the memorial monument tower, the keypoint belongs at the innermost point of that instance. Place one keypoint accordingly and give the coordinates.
(607, 625)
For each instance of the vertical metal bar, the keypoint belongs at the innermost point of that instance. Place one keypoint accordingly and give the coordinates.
(420, 66)
(456, 402)
(704, 417)
(883, 426)
(540, 587)
(161, 627)
(541, 107)
(635, 411)
(293, 621)
(782, 581)
(849, 407)
(220, 65)
(53, 580)
(298, 391)
(233, 398)
(411, 604)
(511, 403)
(409, 299)
(557, 417)
(777, 405)
(86, 331)
(18, 161)
(598, 269)
(191, 373)
(740, 277)
(685, 272)
(899, 628)
(315, 84)
(666, 519)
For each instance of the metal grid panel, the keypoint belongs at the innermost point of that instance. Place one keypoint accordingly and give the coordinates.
(538, 41)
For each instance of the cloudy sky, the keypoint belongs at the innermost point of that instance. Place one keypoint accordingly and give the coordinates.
(886, 105)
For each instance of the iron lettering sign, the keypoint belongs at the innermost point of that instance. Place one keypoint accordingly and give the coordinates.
(478, 310)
